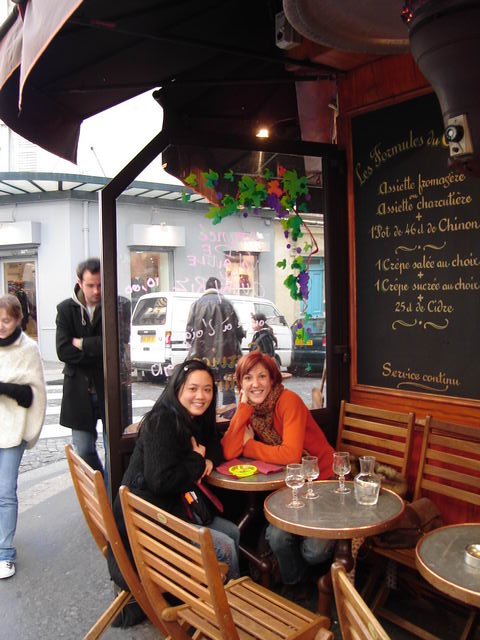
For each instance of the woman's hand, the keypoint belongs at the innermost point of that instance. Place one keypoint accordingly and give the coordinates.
(208, 468)
(248, 434)
(198, 448)
(242, 397)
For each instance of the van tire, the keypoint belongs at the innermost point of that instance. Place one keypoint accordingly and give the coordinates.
(278, 361)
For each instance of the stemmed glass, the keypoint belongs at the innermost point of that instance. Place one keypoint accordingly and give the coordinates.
(310, 470)
(341, 466)
(295, 479)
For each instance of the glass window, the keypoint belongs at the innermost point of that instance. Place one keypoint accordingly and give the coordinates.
(19, 279)
(253, 253)
(150, 311)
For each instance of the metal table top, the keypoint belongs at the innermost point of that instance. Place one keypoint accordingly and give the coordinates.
(440, 558)
(333, 515)
(257, 482)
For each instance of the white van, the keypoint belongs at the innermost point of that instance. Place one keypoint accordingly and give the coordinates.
(159, 320)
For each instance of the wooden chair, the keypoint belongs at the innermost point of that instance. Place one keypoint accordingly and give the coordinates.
(173, 555)
(92, 496)
(367, 431)
(356, 620)
(449, 468)
(387, 435)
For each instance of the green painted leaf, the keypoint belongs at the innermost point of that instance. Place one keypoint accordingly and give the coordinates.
(192, 180)
(228, 175)
(210, 177)
(281, 264)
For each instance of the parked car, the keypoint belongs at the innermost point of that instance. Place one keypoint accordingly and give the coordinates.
(309, 345)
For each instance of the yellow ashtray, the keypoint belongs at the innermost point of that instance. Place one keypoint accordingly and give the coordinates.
(243, 470)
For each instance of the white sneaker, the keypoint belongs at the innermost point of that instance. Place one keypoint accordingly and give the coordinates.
(7, 569)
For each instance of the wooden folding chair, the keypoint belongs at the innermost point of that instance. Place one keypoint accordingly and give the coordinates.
(92, 496)
(367, 431)
(175, 556)
(449, 468)
(386, 435)
(356, 620)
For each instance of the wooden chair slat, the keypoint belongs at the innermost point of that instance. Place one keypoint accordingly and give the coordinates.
(385, 458)
(355, 618)
(448, 474)
(167, 571)
(458, 444)
(454, 459)
(171, 558)
(286, 613)
(92, 497)
(235, 612)
(382, 414)
(167, 538)
(247, 621)
(373, 427)
(250, 611)
(452, 492)
(206, 628)
(373, 442)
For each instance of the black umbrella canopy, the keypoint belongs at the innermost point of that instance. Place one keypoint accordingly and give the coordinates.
(211, 59)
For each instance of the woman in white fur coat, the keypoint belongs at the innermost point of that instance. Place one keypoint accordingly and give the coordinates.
(23, 400)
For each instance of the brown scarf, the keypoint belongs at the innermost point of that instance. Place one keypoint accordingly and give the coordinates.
(262, 417)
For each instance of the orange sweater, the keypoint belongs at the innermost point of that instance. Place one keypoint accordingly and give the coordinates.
(294, 423)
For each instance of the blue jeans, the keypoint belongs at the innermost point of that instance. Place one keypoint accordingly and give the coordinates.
(226, 538)
(294, 553)
(84, 443)
(9, 463)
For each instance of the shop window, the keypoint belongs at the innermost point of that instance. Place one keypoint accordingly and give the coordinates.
(19, 280)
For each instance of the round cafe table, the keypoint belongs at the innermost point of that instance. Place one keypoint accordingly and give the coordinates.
(333, 516)
(440, 559)
(251, 486)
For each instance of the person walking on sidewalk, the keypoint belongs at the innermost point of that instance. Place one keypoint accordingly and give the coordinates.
(79, 346)
(23, 401)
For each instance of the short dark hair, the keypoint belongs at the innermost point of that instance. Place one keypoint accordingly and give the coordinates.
(11, 305)
(246, 363)
(260, 317)
(213, 283)
(90, 264)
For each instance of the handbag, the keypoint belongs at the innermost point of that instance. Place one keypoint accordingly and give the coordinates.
(419, 516)
(199, 504)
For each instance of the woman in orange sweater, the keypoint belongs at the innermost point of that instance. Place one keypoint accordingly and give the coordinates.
(273, 424)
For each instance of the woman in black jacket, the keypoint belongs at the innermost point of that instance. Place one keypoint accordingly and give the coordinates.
(176, 447)
(263, 338)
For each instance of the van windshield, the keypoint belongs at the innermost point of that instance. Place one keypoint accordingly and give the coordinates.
(150, 311)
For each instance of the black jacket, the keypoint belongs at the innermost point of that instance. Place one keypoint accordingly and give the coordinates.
(163, 467)
(264, 341)
(83, 367)
(215, 333)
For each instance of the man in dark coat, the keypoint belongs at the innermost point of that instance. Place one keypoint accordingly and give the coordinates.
(79, 346)
(215, 334)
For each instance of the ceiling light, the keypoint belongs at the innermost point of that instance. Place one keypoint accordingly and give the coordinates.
(262, 133)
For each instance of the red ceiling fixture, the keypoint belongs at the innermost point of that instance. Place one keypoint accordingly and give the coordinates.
(445, 43)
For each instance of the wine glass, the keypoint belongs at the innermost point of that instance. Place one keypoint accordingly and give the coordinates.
(341, 466)
(295, 479)
(310, 470)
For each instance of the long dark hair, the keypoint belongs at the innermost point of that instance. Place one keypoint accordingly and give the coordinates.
(168, 401)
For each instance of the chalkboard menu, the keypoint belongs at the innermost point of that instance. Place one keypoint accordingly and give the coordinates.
(417, 229)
